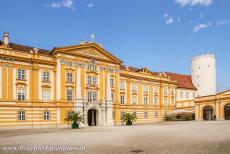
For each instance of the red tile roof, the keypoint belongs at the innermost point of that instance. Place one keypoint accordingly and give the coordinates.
(24, 48)
(183, 81)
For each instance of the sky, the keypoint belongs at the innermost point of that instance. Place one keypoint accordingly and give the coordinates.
(162, 35)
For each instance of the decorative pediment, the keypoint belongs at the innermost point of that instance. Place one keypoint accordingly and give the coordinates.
(88, 50)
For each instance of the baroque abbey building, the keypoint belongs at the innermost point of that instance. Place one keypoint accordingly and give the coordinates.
(40, 88)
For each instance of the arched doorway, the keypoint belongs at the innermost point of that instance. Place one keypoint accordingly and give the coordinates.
(207, 113)
(92, 117)
(227, 112)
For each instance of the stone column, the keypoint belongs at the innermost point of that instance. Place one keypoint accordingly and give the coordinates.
(78, 104)
(109, 105)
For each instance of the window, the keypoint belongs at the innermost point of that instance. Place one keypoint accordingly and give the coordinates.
(134, 99)
(165, 100)
(187, 95)
(146, 114)
(45, 76)
(69, 77)
(134, 87)
(156, 100)
(172, 100)
(122, 99)
(21, 94)
(46, 115)
(172, 91)
(181, 94)
(46, 95)
(69, 94)
(122, 84)
(145, 100)
(112, 82)
(194, 95)
(112, 96)
(92, 96)
(21, 115)
(146, 89)
(165, 91)
(21, 74)
(92, 80)
(92, 67)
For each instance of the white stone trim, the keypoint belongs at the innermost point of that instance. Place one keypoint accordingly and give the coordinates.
(58, 80)
(40, 84)
(27, 84)
(52, 85)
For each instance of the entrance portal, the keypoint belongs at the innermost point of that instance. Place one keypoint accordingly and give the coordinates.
(208, 113)
(92, 117)
(227, 112)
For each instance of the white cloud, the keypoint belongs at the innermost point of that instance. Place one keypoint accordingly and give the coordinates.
(200, 27)
(168, 19)
(90, 5)
(222, 22)
(63, 4)
(183, 3)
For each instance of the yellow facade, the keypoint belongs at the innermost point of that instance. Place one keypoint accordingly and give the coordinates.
(150, 95)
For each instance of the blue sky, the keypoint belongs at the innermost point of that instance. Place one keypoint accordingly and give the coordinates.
(162, 35)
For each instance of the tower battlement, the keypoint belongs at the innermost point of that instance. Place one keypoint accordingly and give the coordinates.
(203, 56)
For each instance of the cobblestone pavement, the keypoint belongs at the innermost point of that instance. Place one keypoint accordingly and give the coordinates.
(166, 137)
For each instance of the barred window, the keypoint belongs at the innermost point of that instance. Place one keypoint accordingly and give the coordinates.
(92, 80)
(69, 77)
(92, 96)
(112, 82)
(21, 115)
(69, 94)
(46, 115)
(45, 76)
(21, 74)
(134, 99)
(21, 94)
(122, 99)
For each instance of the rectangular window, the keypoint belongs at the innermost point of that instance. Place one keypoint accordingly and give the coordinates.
(21, 74)
(112, 82)
(21, 115)
(92, 80)
(45, 76)
(181, 94)
(134, 88)
(187, 95)
(156, 114)
(112, 96)
(172, 100)
(165, 90)
(145, 100)
(46, 115)
(46, 95)
(146, 115)
(69, 95)
(165, 100)
(156, 100)
(21, 94)
(122, 99)
(92, 96)
(69, 77)
(172, 91)
(92, 67)
(122, 84)
(134, 99)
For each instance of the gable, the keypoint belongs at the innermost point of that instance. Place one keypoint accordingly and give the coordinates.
(88, 50)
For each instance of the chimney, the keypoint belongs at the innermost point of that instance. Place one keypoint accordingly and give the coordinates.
(6, 39)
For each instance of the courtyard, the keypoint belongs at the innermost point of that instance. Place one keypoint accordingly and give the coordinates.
(164, 137)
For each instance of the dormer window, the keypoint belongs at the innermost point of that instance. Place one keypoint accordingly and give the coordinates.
(21, 74)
